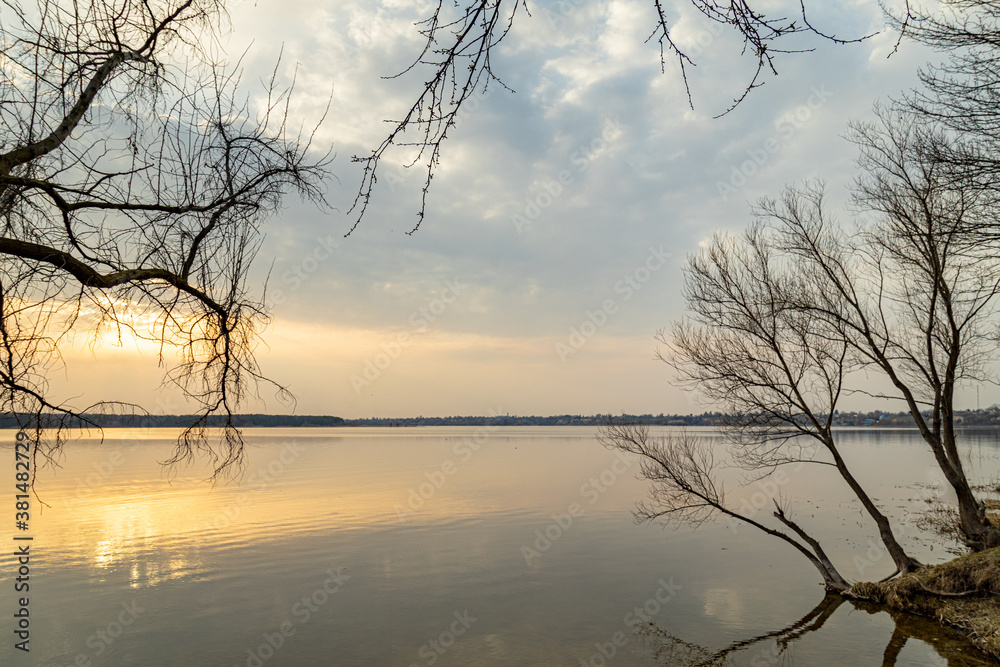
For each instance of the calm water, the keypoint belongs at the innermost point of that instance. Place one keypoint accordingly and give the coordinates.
(450, 546)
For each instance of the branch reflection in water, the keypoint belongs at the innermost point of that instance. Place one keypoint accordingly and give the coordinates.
(777, 647)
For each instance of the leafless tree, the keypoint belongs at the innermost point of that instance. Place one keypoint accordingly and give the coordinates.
(786, 318)
(457, 60)
(959, 95)
(779, 371)
(913, 290)
(134, 183)
(682, 469)
(961, 91)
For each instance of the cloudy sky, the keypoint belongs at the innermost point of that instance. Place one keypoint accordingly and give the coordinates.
(558, 221)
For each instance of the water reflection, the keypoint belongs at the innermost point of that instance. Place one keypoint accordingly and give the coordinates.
(776, 646)
(946, 644)
(424, 531)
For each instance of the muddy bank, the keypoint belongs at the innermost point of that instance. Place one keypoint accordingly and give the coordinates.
(963, 594)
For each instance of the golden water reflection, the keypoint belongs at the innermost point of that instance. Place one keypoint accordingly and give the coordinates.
(104, 508)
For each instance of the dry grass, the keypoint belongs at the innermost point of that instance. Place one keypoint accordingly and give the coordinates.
(932, 592)
(942, 519)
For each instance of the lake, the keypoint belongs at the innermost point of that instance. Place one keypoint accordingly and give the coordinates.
(454, 546)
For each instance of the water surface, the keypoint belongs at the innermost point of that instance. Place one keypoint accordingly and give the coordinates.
(453, 546)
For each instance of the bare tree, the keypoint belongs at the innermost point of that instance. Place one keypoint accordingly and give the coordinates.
(779, 371)
(682, 469)
(134, 183)
(913, 290)
(959, 95)
(785, 316)
(961, 91)
(461, 38)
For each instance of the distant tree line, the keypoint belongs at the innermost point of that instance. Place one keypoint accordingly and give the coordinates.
(130, 420)
(705, 419)
(878, 418)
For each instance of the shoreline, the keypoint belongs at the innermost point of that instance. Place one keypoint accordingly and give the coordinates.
(962, 594)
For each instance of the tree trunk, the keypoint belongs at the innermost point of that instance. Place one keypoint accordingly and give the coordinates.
(904, 562)
(977, 530)
(832, 580)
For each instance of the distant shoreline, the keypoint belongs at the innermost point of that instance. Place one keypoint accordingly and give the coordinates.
(989, 417)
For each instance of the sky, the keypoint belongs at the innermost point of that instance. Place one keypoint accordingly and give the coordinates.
(558, 221)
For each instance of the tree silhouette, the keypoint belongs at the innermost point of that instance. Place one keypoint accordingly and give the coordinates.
(134, 182)
(457, 60)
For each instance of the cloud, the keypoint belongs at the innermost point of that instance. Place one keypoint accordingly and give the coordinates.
(654, 181)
